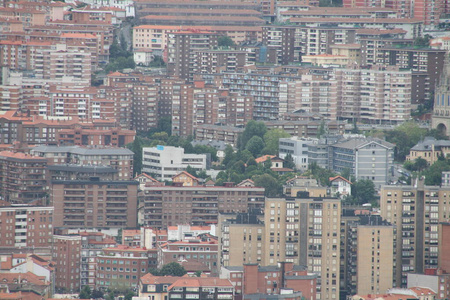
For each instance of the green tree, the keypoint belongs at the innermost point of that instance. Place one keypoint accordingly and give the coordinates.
(433, 174)
(363, 191)
(97, 294)
(172, 269)
(157, 62)
(420, 164)
(346, 173)
(85, 293)
(405, 137)
(322, 175)
(321, 130)
(272, 187)
(165, 124)
(192, 171)
(272, 139)
(253, 128)
(225, 41)
(423, 41)
(255, 145)
(289, 161)
(136, 147)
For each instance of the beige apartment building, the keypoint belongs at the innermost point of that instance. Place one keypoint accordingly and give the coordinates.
(416, 211)
(278, 239)
(371, 256)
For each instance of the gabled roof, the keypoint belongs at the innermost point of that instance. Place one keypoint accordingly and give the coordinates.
(201, 282)
(264, 158)
(146, 176)
(152, 279)
(339, 178)
(187, 174)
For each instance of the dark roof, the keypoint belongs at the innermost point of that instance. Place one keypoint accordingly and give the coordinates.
(83, 168)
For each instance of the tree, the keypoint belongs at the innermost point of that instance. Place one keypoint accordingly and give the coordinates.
(346, 173)
(253, 128)
(289, 161)
(423, 41)
(85, 293)
(136, 147)
(225, 41)
(172, 269)
(321, 130)
(363, 191)
(97, 294)
(433, 174)
(272, 138)
(271, 185)
(255, 145)
(420, 164)
(157, 62)
(191, 171)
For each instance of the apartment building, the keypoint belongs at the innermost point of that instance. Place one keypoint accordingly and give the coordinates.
(114, 137)
(123, 265)
(253, 279)
(198, 287)
(227, 134)
(26, 225)
(144, 109)
(374, 95)
(194, 251)
(22, 178)
(181, 51)
(365, 158)
(155, 286)
(413, 27)
(92, 245)
(372, 40)
(94, 203)
(35, 130)
(120, 159)
(371, 254)
(315, 40)
(297, 148)
(281, 241)
(155, 37)
(282, 38)
(235, 236)
(163, 207)
(213, 61)
(67, 258)
(426, 60)
(164, 162)
(416, 211)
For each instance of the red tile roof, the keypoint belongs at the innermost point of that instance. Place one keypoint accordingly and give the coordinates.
(151, 279)
(201, 282)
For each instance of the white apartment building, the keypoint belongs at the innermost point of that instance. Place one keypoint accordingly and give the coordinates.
(164, 162)
(298, 148)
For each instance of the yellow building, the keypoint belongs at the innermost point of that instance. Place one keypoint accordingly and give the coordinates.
(429, 149)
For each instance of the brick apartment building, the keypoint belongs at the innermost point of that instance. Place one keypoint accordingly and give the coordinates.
(94, 203)
(25, 225)
(200, 251)
(67, 258)
(252, 279)
(181, 51)
(200, 205)
(23, 127)
(123, 265)
(92, 244)
(22, 177)
(121, 159)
